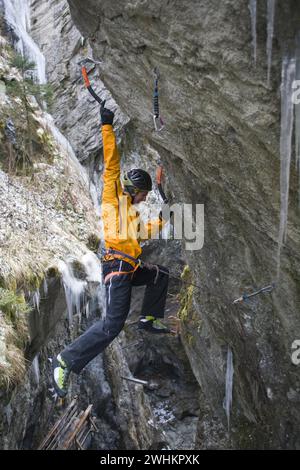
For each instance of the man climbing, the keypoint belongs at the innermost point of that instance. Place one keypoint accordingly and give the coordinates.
(122, 229)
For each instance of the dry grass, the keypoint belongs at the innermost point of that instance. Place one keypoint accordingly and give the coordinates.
(13, 336)
(12, 360)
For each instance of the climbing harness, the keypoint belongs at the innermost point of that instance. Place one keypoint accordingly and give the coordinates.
(158, 122)
(141, 263)
(245, 297)
(83, 63)
(119, 255)
(159, 181)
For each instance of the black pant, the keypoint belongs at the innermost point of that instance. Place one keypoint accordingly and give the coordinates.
(118, 295)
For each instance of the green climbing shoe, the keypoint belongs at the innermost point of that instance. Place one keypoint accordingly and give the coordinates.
(60, 376)
(152, 325)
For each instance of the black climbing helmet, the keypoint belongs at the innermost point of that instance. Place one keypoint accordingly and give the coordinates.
(137, 180)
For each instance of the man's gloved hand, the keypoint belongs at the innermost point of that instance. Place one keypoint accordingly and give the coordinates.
(107, 116)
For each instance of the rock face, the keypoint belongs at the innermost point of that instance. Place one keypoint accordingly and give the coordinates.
(62, 217)
(221, 148)
(74, 110)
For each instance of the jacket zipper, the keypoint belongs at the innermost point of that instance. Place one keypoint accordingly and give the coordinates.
(120, 215)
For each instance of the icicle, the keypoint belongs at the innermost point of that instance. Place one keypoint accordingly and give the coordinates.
(287, 77)
(45, 286)
(18, 17)
(297, 115)
(270, 31)
(92, 267)
(36, 369)
(252, 8)
(228, 386)
(93, 270)
(36, 300)
(74, 289)
(87, 310)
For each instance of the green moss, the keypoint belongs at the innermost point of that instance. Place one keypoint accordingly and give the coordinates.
(186, 273)
(2, 282)
(15, 310)
(33, 143)
(93, 242)
(10, 283)
(24, 280)
(190, 339)
(46, 139)
(79, 270)
(7, 298)
(34, 281)
(186, 297)
(53, 272)
(12, 303)
(191, 323)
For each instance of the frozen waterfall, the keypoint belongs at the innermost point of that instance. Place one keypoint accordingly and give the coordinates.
(17, 15)
(286, 133)
(297, 115)
(228, 386)
(252, 8)
(270, 32)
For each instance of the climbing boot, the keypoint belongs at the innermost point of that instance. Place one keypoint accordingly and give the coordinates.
(60, 376)
(152, 325)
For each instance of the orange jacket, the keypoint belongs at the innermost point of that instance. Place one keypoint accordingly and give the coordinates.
(123, 229)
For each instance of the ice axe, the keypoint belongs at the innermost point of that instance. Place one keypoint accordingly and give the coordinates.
(87, 83)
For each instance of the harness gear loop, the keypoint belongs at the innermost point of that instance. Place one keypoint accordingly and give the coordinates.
(111, 251)
(157, 120)
(118, 273)
(152, 266)
(157, 274)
